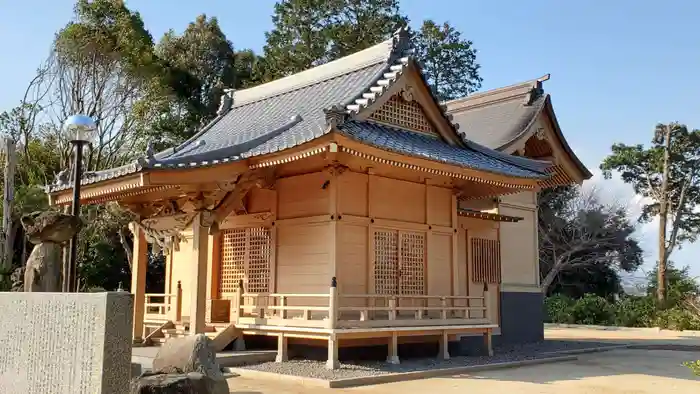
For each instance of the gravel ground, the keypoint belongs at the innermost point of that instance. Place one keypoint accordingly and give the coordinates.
(317, 369)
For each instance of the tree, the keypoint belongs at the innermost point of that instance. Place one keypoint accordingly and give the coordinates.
(200, 64)
(449, 61)
(583, 239)
(666, 173)
(680, 286)
(308, 33)
(101, 64)
(358, 24)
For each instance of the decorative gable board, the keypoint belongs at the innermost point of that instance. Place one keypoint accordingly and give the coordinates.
(404, 112)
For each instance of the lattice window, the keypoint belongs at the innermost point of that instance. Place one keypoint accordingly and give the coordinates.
(486, 260)
(233, 250)
(399, 262)
(405, 114)
(245, 255)
(258, 270)
(412, 264)
(386, 262)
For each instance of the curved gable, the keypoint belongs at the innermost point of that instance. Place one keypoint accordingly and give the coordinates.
(520, 120)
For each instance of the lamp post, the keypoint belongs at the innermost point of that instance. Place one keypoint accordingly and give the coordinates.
(81, 128)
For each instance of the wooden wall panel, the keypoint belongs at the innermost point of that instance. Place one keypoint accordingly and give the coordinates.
(352, 262)
(439, 206)
(261, 200)
(303, 195)
(462, 266)
(524, 198)
(397, 200)
(303, 260)
(519, 247)
(440, 264)
(352, 194)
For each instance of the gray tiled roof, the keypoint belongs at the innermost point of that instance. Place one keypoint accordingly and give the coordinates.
(427, 147)
(497, 124)
(291, 111)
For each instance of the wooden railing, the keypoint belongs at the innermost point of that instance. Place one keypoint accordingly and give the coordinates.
(328, 311)
(162, 307)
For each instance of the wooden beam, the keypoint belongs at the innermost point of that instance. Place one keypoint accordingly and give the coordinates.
(233, 201)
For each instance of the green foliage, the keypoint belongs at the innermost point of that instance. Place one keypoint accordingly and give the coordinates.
(634, 312)
(308, 33)
(627, 311)
(448, 60)
(677, 318)
(694, 366)
(558, 309)
(200, 63)
(679, 285)
(592, 309)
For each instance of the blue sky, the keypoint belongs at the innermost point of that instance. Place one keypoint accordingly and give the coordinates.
(617, 67)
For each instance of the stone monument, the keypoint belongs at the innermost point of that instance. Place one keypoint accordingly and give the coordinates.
(65, 343)
(48, 230)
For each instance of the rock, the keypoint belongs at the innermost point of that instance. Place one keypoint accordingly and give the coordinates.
(50, 226)
(189, 383)
(188, 354)
(43, 270)
(184, 356)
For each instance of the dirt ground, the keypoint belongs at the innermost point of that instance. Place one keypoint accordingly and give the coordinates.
(625, 371)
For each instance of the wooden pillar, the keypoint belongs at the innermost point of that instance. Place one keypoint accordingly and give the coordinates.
(333, 304)
(282, 348)
(332, 362)
(138, 280)
(198, 273)
(393, 357)
(455, 247)
(488, 342)
(334, 213)
(212, 269)
(444, 346)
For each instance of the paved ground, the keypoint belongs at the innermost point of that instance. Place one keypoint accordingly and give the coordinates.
(629, 371)
(614, 372)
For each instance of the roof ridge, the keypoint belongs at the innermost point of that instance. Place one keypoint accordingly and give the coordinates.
(384, 51)
(500, 94)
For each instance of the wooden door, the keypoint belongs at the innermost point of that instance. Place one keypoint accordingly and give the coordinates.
(399, 263)
(245, 255)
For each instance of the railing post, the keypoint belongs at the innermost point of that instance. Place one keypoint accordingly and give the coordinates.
(392, 308)
(283, 305)
(237, 303)
(178, 302)
(443, 311)
(333, 304)
(487, 304)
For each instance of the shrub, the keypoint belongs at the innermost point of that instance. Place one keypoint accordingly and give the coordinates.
(694, 366)
(592, 309)
(677, 318)
(634, 312)
(558, 309)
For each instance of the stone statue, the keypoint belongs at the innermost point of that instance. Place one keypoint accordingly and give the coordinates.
(48, 231)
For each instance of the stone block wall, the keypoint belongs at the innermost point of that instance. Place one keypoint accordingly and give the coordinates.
(65, 343)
